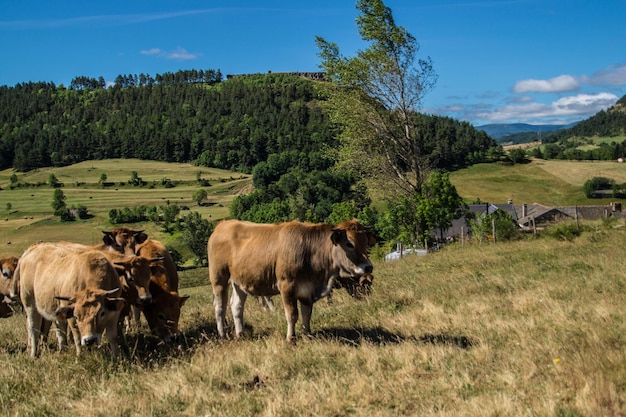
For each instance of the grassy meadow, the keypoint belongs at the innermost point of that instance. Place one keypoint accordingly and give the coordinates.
(535, 327)
(547, 182)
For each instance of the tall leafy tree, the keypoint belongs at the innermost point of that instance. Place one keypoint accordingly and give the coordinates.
(374, 97)
(195, 234)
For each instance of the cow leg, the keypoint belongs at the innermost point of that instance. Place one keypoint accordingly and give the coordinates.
(220, 300)
(270, 303)
(75, 334)
(307, 310)
(34, 322)
(112, 336)
(136, 317)
(237, 303)
(266, 303)
(60, 328)
(291, 314)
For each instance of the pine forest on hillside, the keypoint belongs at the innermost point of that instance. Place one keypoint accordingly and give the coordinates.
(232, 124)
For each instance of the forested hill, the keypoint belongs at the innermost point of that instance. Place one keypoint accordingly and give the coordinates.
(605, 123)
(182, 117)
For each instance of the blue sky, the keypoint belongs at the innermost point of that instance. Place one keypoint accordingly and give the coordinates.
(498, 61)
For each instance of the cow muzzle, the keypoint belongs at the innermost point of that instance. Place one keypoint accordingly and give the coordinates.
(363, 269)
(144, 300)
(90, 340)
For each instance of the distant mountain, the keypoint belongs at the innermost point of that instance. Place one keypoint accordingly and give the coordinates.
(497, 131)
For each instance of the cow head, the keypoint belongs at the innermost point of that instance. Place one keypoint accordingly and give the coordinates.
(163, 313)
(357, 288)
(123, 239)
(92, 309)
(8, 266)
(136, 272)
(350, 242)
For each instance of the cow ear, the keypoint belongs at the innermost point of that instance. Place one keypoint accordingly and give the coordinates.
(115, 304)
(108, 238)
(125, 264)
(140, 237)
(337, 236)
(157, 270)
(65, 313)
(183, 299)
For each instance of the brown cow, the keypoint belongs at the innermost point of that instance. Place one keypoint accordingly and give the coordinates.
(163, 313)
(8, 265)
(134, 271)
(122, 239)
(299, 261)
(59, 283)
(357, 288)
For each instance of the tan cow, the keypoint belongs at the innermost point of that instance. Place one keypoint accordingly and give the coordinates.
(8, 265)
(299, 261)
(134, 271)
(60, 284)
(357, 288)
(163, 313)
(122, 239)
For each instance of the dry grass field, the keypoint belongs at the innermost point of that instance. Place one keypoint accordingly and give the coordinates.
(534, 327)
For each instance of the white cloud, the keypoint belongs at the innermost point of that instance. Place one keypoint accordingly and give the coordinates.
(152, 51)
(613, 76)
(560, 84)
(581, 105)
(180, 54)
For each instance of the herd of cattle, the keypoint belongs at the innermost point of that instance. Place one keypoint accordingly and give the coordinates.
(93, 290)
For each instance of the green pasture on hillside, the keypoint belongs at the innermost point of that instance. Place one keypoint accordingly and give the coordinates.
(547, 182)
(30, 217)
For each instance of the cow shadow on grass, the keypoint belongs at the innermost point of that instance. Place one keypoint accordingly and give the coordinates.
(380, 336)
(148, 350)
